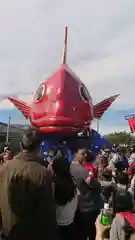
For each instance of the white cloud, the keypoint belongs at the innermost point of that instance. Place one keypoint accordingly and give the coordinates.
(6, 104)
(112, 75)
(107, 127)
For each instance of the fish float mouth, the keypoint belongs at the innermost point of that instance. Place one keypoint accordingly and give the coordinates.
(56, 129)
(59, 125)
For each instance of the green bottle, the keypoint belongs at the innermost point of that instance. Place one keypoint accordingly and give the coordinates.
(106, 216)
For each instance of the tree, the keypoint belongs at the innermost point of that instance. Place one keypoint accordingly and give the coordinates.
(120, 138)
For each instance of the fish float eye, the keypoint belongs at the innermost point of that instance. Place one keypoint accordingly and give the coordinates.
(40, 93)
(84, 93)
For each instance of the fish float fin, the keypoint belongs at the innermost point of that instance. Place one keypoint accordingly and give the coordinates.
(102, 106)
(23, 107)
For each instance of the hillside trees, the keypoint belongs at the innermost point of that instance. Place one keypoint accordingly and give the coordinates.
(121, 138)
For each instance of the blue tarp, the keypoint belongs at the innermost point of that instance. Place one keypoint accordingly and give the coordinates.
(98, 143)
(56, 144)
(95, 142)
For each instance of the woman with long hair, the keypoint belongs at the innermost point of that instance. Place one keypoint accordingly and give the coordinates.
(66, 198)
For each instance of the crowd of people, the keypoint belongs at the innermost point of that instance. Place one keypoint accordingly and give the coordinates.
(59, 200)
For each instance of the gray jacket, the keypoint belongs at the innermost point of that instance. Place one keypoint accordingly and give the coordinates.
(117, 232)
(90, 195)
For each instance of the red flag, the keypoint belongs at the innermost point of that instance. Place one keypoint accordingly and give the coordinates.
(131, 122)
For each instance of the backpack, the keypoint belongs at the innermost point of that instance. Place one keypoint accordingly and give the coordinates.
(129, 227)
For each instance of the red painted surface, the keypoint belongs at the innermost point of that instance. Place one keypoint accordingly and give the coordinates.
(62, 108)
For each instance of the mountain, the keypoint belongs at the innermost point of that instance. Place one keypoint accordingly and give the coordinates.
(14, 128)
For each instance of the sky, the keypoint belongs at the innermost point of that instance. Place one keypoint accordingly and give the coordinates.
(101, 51)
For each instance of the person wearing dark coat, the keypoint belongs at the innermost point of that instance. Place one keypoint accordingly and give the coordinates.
(27, 205)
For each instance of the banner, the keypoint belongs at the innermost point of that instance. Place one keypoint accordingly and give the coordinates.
(131, 123)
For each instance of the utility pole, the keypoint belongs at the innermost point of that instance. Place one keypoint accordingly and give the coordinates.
(8, 128)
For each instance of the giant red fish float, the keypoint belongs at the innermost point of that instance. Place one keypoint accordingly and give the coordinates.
(62, 103)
